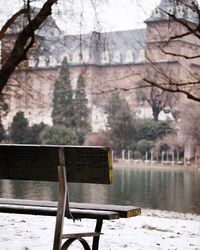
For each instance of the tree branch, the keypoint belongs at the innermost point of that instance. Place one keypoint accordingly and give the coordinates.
(20, 49)
(10, 22)
(121, 89)
(173, 89)
(178, 55)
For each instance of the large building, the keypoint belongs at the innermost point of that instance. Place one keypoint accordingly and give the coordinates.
(109, 61)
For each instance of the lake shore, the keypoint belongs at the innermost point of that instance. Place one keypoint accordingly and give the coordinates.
(154, 229)
(157, 166)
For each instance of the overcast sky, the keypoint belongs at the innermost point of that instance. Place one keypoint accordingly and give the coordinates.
(110, 14)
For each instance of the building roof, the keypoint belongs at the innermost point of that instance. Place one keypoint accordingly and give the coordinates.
(118, 47)
(94, 48)
(44, 30)
(183, 9)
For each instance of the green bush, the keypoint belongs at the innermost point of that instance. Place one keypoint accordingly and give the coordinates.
(144, 146)
(33, 133)
(149, 129)
(58, 135)
(19, 129)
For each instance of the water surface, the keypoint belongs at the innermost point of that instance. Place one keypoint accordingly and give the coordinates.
(164, 189)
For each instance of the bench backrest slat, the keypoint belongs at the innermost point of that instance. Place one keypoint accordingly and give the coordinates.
(36, 162)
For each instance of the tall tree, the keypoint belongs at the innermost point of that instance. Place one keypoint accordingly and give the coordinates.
(63, 103)
(81, 111)
(19, 128)
(2, 132)
(120, 123)
(3, 112)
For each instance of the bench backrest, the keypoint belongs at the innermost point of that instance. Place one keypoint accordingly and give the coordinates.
(40, 162)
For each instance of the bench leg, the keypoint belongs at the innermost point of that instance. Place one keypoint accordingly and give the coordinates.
(95, 243)
(61, 208)
(84, 243)
(79, 237)
(63, 198)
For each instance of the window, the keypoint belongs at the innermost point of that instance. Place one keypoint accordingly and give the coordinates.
(129, 56)
(105, 57)
(52, 61)
(116, 56)
(42, 61)
(65, 55)
(32, 62)
(141, 55)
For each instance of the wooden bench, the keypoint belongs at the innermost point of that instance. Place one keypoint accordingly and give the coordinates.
(62, 164)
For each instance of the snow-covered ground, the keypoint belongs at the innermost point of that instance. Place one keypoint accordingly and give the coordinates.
(152, 230)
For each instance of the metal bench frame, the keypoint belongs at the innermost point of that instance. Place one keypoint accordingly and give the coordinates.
(64, 210)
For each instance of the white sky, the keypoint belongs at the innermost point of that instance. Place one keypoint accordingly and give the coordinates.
(111, 14)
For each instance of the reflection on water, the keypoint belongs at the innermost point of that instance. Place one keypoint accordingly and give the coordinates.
(158, 189)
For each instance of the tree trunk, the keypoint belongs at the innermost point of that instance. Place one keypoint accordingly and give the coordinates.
(23, 43)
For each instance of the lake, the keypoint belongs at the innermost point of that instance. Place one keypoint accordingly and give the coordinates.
(155, 188)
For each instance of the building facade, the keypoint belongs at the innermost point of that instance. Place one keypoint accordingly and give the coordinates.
(113, 61)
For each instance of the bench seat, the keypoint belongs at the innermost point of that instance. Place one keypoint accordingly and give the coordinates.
(123, 211)
(78, 210)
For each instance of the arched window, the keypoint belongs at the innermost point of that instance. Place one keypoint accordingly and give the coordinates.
(86, 56)
(42, 61)
(65, 55)
(52, 61)
(141, 55)
(129, 56)
(105, 57)
(116, 56)
(32, 62)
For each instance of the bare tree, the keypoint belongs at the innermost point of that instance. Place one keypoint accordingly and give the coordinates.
(190, 122)
(158, 99)
(100, 138)
(25, 39)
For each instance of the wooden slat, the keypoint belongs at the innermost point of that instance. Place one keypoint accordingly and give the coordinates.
(33, 210)
(52, 211)
(123, 211)
(94, 214)
(26, 202)
(36, 162)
